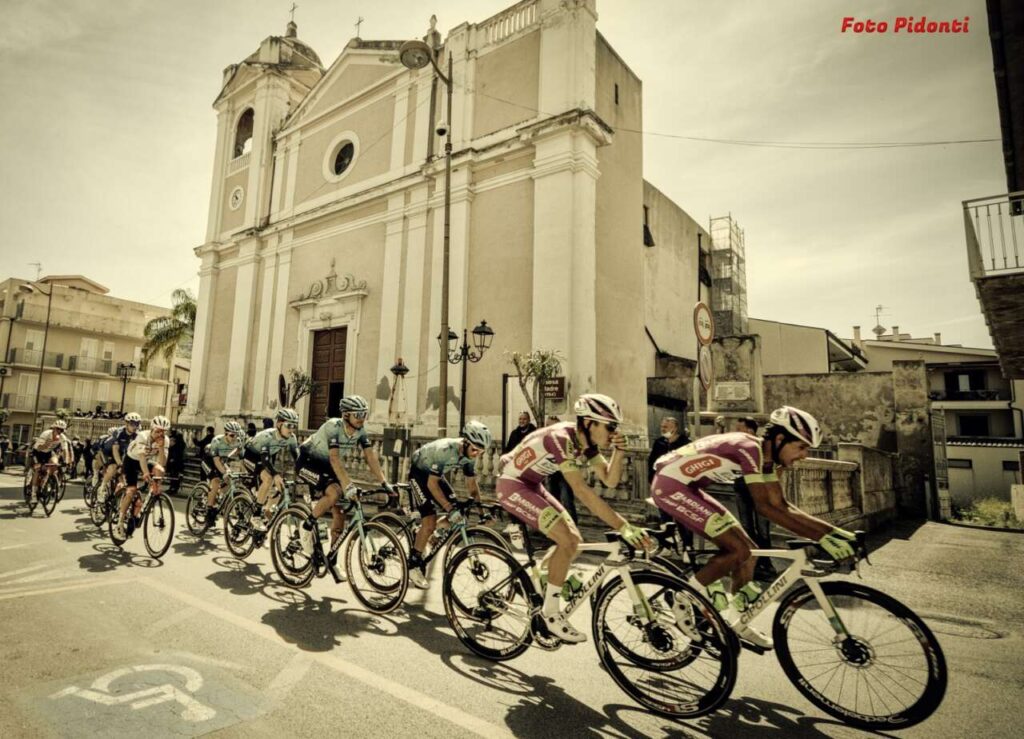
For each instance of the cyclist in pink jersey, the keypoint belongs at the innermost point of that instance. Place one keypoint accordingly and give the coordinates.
(678, 489)
(568, 448)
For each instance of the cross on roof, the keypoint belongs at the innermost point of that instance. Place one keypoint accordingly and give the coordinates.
(358, 24)
(294, 6)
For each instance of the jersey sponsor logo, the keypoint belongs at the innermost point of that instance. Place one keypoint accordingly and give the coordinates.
(525, 458)
(523, 505)
(698, 465)
(688, 501)
(308, 475)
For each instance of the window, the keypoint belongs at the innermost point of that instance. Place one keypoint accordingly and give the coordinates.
(83, 394)
(102, 392)
(344, 157)
(959, 464)
(243, 133)
(89, 349)
(33, 340)
(341, 156)
(1010, 465)
(142, 400)
(973, 425)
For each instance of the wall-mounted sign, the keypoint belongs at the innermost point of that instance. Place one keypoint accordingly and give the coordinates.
(703, 323)
(553, 388)
(731, 390)
(705, 366)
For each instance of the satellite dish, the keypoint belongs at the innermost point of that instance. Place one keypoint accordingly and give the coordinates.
(282, 391)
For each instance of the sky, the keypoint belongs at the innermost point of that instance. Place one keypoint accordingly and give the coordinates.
(107, 138)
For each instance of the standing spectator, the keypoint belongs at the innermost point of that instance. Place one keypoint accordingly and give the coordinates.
(76, 448)
(672, 437)
(250, 430)
(520, 432)
(268, 423)
(557, 485)
(4, 446)
(201, 443)
(175, 459)
(747, 425)
(88, 455)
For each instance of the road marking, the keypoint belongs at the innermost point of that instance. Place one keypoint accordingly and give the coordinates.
(13, 546)
(51, 575)
(23, 569)
(100, 692)
(379, 682)
(76, 586)
(200, 658)
(290, 675)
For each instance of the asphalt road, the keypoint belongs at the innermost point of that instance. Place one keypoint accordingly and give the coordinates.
(99, 642)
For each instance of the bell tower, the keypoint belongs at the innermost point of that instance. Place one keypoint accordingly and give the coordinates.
(256, 96)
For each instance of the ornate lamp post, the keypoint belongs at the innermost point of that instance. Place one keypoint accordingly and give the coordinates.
(125, 372)
(483, 335)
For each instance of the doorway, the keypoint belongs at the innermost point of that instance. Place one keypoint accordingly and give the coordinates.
(328, 374)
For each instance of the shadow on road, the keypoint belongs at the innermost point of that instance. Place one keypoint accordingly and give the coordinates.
(745, 717)
(108, 557)
(14, 510)
(315, 626)
(188, 544)
(85, 530)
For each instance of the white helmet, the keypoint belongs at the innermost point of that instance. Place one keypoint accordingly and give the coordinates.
(59, 423)
(796, 422)
(597, 407)
(133, 418)
(232, 427)
(287, 415)
(160, 422)
(477, 434)
(354, 404)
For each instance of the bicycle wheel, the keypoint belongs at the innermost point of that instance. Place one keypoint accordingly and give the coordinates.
(88, 493)
(377, 568)
(888, 673)
(651, 659)
(488, 599)
(27, 485)
(406, 533)
(292, 564)
(195, 509)
(114, 517)
(158, 526)
(476, 535)
(62, 486)
(49, 494)
(238, 526)
(104, 502)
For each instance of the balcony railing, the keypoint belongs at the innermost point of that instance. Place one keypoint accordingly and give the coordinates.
(995, 234)
(31, 358)
(92, 364)
(994, 394)
(86, 321)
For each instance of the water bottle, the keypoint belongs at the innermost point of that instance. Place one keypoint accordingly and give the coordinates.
(515, 535)
(573, 584)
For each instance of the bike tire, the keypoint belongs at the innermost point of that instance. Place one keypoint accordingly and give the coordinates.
(88, 493)
(378, 571)
(49, 494)
(498, 592)
(195, 509)
(856, 604)
(238, 533)
(158, 526)
(405, 531)
(290, 562)
(27, 490)
(112, 520)
(100, 512)
(62, 486)
(647, 669)
(476, 535)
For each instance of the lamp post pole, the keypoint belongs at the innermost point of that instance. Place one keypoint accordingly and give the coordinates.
(464, 354)
(42, 357)
(126, 371)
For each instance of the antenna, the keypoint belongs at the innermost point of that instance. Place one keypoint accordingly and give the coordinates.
(879, 329)
(39, 269)
(358, 24)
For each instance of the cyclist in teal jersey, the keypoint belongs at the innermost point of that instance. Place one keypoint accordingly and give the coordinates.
(429, 464)
(213, 468)
(320, 465)
(261, 453)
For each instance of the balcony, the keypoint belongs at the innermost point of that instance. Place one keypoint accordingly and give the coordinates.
(994, 230)
(89, 323)
(31, 357)
(92, 364)
(13, 402)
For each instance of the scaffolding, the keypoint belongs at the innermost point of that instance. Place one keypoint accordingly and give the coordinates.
(728, 277)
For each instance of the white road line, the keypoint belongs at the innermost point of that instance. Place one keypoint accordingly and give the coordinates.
(190, 656)
(77, 586)
(32, 568)
(157, 626)
(290, 675)
(13, 546)
(403, 693)
(51, 575)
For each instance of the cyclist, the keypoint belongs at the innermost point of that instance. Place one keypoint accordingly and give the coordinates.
(99, 459)
(569, 448)
(261, 452)
(48, 445)
(679, 486)
(213, 467)
(115, 446)
(146, 456)
(320, 465)
(430, 489)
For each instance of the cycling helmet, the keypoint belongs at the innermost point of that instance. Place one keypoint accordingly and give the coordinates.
(233, 427)
(477, 434)
(796, 423)
(354, 404)
(133, 418)
(597, 407)
(287, 415)
(59, 423)
(160, 422)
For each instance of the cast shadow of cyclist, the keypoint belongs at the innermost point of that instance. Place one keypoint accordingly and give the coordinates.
(188, 544)
(240, 577)
(752, 718)
(85, 530)
(314, 625)
(109, 557)
(17, 509)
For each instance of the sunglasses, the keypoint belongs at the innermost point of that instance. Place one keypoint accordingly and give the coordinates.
(232, 434)
(361, 415)
(291, 426)
(612, 427)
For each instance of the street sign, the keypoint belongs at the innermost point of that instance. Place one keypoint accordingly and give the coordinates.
(705, 366)
(703, 323)
(553, 388)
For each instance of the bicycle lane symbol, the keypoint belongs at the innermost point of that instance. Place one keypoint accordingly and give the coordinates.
(100, 692)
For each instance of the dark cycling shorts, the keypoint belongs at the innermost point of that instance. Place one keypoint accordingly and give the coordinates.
(422, 498)
(253, 463)
(208, 470)
(316, 473)
(133, 471)
(39, 457)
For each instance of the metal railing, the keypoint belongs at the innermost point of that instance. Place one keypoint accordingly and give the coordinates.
(92, 364)
(31, 358)
(87, 321)
(994, 227)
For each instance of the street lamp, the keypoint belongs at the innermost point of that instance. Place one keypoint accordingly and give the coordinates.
(416, 54)
(483, 335)
(42, 354)
(125, 372)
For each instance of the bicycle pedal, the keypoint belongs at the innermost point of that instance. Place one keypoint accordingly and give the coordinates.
(543, 638)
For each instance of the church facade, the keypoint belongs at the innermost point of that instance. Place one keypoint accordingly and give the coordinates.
(324, 245)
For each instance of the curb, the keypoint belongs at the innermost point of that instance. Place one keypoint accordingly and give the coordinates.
(979, 527)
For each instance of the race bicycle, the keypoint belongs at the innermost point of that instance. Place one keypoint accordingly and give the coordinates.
(149, 510)
(49, 491)
(374, 556)
(240, 533)
(660, 640)
(196, 506)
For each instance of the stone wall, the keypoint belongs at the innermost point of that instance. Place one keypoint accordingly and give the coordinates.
(913, 434)
(875, 480)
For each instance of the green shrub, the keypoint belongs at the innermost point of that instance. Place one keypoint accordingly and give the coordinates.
(988, 512)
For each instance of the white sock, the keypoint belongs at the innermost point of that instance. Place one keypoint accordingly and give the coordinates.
(552, 600)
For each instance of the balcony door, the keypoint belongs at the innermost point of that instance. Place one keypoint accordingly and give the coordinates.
(328, 374)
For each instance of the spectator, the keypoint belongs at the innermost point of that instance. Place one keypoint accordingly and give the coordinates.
(747, 425)
(250, 430)
(268, 423)
(4, 446)
(557, 485)
(672, 437)
(76, 449)
(519, 433)
(175, 459)
(202, 443)
(88, 454)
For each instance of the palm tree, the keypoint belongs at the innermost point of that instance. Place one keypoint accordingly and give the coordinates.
(168, 334)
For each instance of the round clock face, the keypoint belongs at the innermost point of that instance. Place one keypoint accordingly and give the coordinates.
(236, 198)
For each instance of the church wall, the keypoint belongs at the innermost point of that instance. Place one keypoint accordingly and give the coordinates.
(353, 78)
(410, 127)
(506, 85)
(348, 216)
(215, 387)
(500, 287)
(621, 340)
(251, 370)
(373, 125)
(232, 219)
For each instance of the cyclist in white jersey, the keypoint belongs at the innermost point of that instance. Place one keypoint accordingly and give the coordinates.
(44, 448)
(147, 455)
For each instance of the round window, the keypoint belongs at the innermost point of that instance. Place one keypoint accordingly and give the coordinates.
(344, 157)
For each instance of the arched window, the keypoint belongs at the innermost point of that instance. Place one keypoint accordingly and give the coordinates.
(243, 133)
